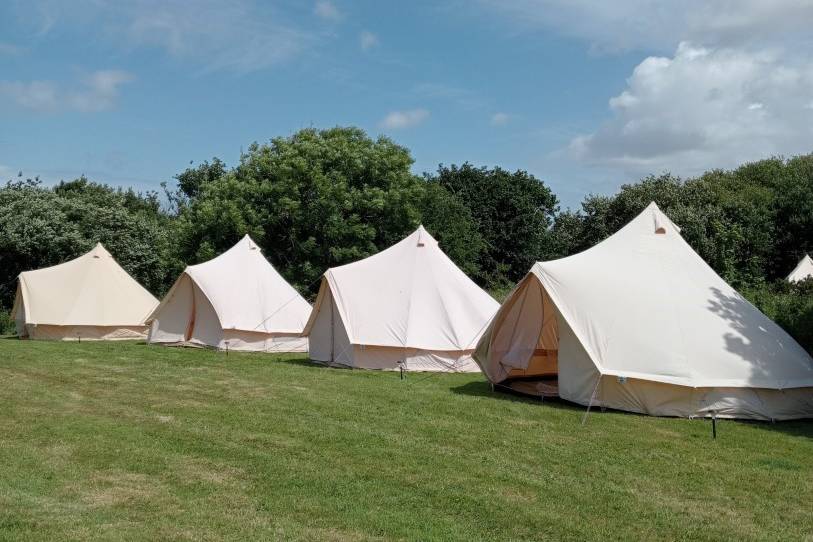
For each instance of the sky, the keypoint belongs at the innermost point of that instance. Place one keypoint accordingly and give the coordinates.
(584, 95)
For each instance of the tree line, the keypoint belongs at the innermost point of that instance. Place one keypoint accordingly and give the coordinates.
(322, 198)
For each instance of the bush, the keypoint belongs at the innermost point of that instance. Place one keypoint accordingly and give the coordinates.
(6, 323)
(789, 305)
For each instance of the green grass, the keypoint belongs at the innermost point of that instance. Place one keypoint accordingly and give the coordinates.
(130, 442)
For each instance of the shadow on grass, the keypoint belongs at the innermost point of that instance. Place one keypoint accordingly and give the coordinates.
(794, 428)
(483, 389)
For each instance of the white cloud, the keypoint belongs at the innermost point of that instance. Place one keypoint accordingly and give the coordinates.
(368, 40)
(648, 25)
(239, 35)
(500, 119)
(100, 92)
(36, 95)
(9, 49)
(404, 119)
(6, 174)
(462, 97)
(704, 107)
(97, 91)
(327, 10)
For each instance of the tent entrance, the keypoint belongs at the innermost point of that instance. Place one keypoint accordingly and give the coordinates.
(525, 342)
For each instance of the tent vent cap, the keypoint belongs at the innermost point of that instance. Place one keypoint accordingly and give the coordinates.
(660, 225)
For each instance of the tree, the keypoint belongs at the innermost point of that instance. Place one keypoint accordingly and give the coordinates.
(40, 227)
(314, 200)
(514, 213)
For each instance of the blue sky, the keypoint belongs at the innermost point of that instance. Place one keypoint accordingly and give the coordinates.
(583, 95)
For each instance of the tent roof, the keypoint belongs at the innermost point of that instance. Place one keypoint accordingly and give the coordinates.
(92, 290)
(803, 270)
(247, 293)
(409, 295)
(645, 305)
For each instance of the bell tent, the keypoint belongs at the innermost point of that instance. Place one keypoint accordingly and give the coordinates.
(89, 298)
(236, 301)
(408, 307)
(641, 323)
(803, 270)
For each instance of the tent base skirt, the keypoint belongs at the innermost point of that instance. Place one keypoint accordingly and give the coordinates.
(659, 399)
(239, 341)
(46, 332)
(393, 359)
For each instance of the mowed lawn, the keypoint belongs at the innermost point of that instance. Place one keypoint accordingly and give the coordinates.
(131, 442)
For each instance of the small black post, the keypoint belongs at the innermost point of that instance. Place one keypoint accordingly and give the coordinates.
(227, 348)
(79, 334)
(401, 369)
(713, 425)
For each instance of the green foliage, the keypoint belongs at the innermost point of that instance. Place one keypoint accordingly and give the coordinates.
(7, 326)
(322, 198)
(514, 213)
(789, 305)
(318, 199)
(40, 227)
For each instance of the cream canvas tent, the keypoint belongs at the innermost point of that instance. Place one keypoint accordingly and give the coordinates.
(803, 270)
(641, 323)
(236, 301)
(89, 298)
(408, 307)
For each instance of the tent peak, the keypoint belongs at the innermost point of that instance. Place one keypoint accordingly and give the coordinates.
(424, 237)
(98, 251)
(252, 245)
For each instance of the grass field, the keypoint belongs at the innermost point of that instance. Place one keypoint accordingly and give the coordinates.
(130, 442)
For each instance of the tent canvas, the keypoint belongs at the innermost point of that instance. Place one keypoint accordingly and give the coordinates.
(236, 301)
(88, 298)
(641, 323)
(803, 270)
(408, 306)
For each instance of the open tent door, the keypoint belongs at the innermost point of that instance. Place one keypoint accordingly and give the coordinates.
(525, 340)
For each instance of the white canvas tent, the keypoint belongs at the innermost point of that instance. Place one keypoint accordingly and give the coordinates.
(803, 270)
(408, 307)
(236, 301)
(89, 298)
(641, 323)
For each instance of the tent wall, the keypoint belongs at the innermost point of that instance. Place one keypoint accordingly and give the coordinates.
(328, 337)
(529, 321)
(18, 313)
(188, 319)
(578, 375)
(172, 322)
(44, 332)
(330, 344)
(578, 379)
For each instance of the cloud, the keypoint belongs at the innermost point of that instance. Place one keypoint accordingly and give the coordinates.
(500, 119)
(36, 95)
(9, 49)
(464, 98)
(239, 36)
(327, 10)
(368, 40)
(6, 173)
(646, 25)
(704, 107)
(98, 91)
(404, 119)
